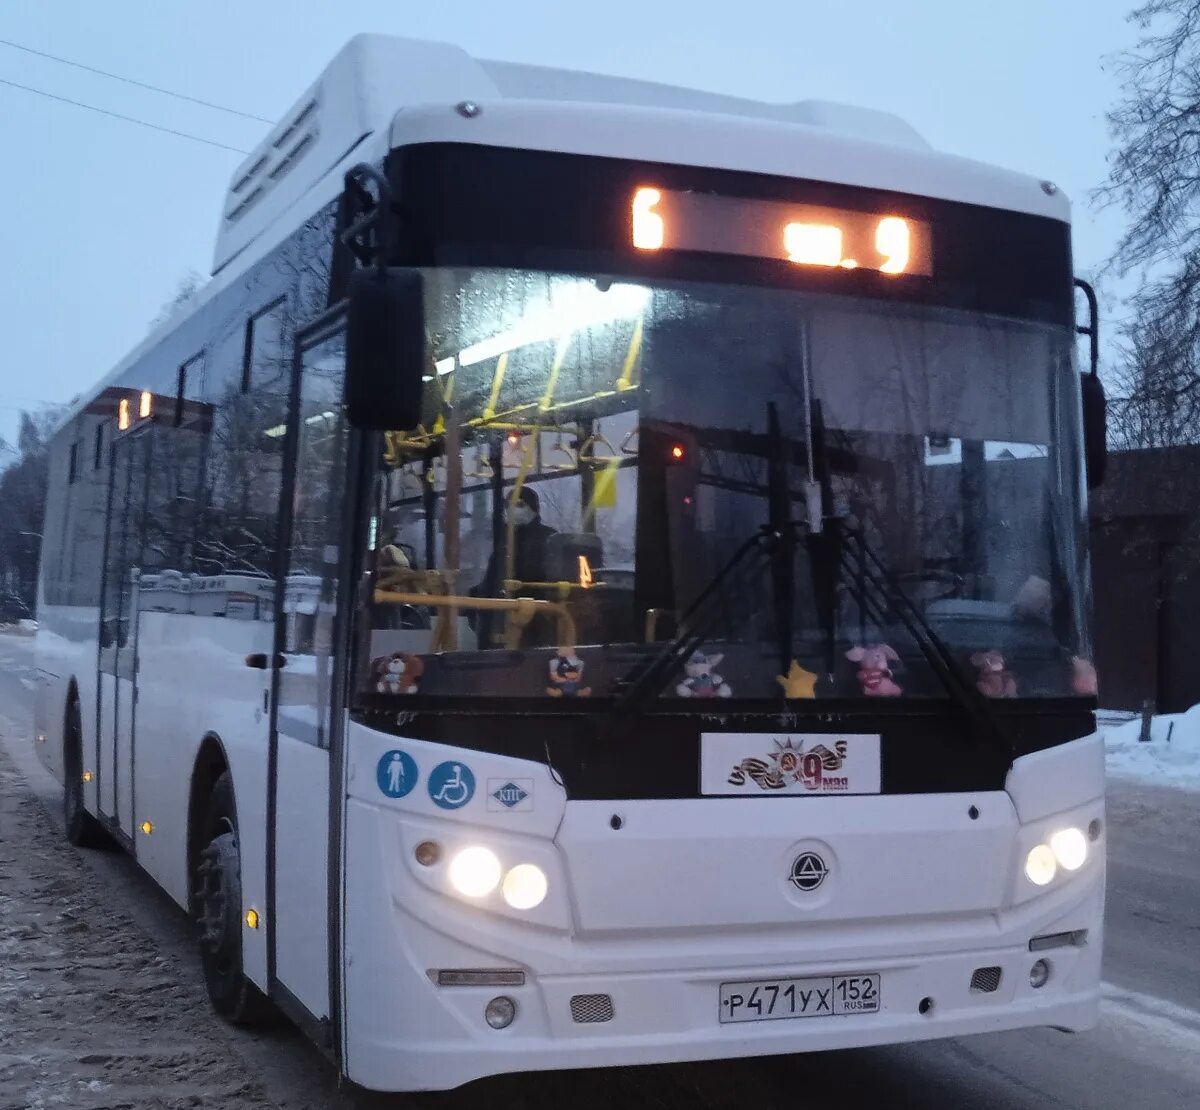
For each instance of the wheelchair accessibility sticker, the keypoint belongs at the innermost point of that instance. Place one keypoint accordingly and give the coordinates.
(396, 773)
(451, 785)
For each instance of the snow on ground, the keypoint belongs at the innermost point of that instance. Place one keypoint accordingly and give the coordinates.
(16, 654)
(1171, 757)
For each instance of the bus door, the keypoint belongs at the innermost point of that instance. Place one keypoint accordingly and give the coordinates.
(116, 700)
(308, 688)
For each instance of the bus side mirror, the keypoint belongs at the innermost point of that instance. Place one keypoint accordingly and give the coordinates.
(1095, 429)
(385, 349)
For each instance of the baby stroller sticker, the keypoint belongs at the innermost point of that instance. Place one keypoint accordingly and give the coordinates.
(451, 785)
(396, 773)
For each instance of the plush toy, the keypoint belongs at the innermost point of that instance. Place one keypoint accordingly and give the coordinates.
(994, 681)
(874, 670)
(798, 683)
(1083, 676)
(566, 676)
(397, 673)
(702, 680)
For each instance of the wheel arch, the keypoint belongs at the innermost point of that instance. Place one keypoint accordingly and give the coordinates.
(212, 761)
(72, 699)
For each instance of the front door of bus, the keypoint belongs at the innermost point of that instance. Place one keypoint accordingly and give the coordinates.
(308, 689)
(116, 702)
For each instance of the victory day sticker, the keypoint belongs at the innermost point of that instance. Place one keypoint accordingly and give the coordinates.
(790, 763)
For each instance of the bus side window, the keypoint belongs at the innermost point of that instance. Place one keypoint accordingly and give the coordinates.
(244, 469)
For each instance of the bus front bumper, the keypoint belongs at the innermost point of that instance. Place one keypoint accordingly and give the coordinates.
(665, 1017)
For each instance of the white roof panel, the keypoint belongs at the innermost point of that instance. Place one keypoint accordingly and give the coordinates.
(407, 88)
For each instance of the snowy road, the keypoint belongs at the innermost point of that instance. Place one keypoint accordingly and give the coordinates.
(101, 1005)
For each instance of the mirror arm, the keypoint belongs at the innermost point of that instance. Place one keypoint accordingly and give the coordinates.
(363, 234)
(1092, 330)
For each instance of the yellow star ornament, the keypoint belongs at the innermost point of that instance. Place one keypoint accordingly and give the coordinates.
(798, 683)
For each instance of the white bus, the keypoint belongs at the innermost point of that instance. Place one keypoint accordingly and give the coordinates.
(597, 577)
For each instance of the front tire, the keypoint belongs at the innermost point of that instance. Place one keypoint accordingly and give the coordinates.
(82, 829)
(218, 912)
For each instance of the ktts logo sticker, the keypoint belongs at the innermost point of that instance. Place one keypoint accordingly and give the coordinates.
(510, 795)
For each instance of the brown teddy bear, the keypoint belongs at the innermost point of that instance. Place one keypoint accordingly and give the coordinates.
(397, 673)
(995, 680)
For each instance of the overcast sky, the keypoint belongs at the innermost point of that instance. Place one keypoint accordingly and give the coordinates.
(100, 219)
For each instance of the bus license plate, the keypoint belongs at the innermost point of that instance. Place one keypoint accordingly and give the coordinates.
(827, 996)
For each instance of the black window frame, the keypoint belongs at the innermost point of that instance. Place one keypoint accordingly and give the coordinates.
(181, 384)
(248, 344)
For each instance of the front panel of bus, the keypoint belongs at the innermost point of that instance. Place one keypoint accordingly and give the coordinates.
(721, 679)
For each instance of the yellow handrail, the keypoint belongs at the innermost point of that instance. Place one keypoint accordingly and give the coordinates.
(521, 611)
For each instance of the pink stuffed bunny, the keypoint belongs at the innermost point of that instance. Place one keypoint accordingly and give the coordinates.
(995, 680)
(874, 672)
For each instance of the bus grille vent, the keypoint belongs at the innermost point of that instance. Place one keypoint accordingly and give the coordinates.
(986, 979)
(591, 1009)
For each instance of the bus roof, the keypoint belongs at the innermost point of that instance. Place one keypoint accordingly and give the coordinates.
(406, 90)
(381, 92)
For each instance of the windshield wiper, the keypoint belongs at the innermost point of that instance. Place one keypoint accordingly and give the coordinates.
(647, 679)
(832, 554)
(870, 571)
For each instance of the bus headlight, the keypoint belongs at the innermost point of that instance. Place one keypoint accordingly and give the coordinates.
(1070, 848)
(525, 886)
(1040, 865)
(475, 872)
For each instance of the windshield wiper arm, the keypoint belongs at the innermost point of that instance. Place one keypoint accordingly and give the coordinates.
(872, 571)
(694, 624)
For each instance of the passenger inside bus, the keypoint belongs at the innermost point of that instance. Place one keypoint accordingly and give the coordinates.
(531, 537)
(530, 541)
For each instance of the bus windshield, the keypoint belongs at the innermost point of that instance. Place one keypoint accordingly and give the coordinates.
(595, 451)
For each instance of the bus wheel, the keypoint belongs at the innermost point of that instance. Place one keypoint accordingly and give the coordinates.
(218, 902)
(83, 830)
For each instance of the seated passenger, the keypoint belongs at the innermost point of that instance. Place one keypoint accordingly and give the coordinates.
(530, 539)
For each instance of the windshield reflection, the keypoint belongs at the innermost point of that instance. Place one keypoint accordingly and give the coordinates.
(594, 453)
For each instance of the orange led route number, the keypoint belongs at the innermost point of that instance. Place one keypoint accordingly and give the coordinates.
(805, 234)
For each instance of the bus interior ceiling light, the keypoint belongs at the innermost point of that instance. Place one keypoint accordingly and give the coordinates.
(572, 308)
(475, 872)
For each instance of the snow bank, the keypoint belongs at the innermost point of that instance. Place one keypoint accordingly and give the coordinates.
(21, 628)
(1171, 757)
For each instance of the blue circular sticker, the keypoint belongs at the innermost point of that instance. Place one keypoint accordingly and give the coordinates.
(396, 773)
(451, 785)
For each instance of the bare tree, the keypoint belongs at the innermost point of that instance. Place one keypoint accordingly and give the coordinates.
(22, 496)
(1154, 175)
(189, 285)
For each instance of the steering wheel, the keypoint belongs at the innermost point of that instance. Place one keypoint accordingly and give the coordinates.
(951, 582)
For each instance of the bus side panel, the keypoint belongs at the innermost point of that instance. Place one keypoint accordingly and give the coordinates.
(65, 650)
(193, 682)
